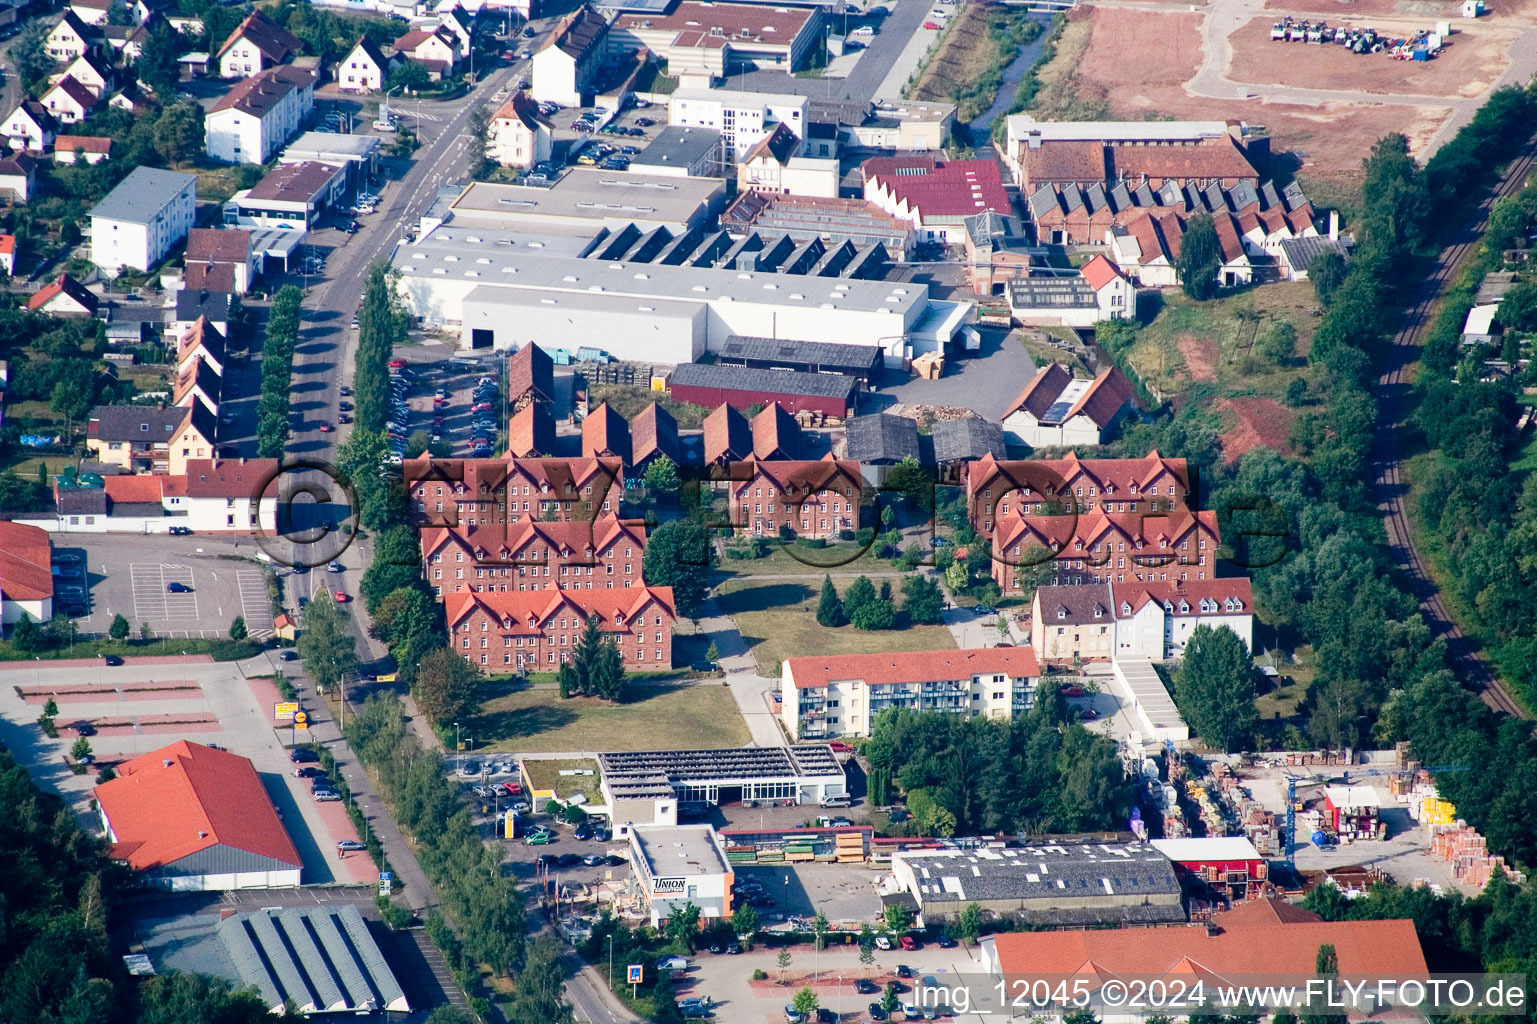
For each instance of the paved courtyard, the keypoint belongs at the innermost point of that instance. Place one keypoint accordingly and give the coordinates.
(151, 702)
(984, 382)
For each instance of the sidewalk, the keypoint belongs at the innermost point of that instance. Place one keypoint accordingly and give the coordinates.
(750, 690)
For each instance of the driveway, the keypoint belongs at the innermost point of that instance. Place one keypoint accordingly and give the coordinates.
(984, 382)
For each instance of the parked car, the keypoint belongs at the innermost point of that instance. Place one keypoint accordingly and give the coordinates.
(865, 986)
(877, 1012)
(1071, 690)
(176, 587)
(537, 839)
(349, 844)
(326, 796)
(180, 531)
(904, 971)
(881, 942)
(909, 943)
(592, 860)
(945, 942)
(112, 660)
(83, 729)
(308, 771)
(583, 833)
(469, 769)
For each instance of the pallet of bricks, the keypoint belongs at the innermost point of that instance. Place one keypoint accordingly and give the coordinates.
(1309, 758)
(1461, 846)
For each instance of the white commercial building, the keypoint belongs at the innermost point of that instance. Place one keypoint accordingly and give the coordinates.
(142, 219)
(681, 864)
(1142, 693)
(742, 118)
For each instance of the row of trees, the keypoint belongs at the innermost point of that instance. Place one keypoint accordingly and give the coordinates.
(1038, 771)
(277, 366)
(596, 668)
(865, 607)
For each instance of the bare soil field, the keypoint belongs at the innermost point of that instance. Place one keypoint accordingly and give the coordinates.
(1200, 355)
(1136, 62)
(1251, 422)
(1467, 66)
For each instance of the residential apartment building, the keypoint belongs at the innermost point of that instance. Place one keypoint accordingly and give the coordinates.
(251, 122)
(1154, 619)
(142, 439)
(535, 631)
(1099, 547)
(743, 118)
(257, 43)
(224, 495)
(817, 499)
(771, 165)
(566, 64)
(520, 136)
(142, 219)
(484, 492)
(998, 488)
(827, 697)
(604, 554)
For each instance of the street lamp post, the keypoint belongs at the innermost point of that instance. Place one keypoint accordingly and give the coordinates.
(611, 961)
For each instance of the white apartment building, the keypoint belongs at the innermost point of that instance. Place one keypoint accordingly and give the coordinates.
(1141, 619)
(519, 135)
(142, 219)
(832, 696)
(255, 118)
(742, 118)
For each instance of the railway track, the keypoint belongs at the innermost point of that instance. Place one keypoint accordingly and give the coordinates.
(1390, 480)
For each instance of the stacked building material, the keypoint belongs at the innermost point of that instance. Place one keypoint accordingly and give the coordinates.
(1467, 851)
(850, 848)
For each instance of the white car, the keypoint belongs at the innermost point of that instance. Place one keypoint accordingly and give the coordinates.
(939, 13)
(881, 942)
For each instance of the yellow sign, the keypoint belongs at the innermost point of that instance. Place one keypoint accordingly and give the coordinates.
(285, 711)
(301, 720)
(389, 678)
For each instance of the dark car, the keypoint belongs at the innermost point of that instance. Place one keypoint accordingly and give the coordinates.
(583, 832)
(112, 659)
(569, 860)
(83, 729)
(180, 531)
(644, 122)
(904, 971)
(946, 942)
(287, 655)
(826, 1016)
(866, 986)
(303, 755)
(876, 1012)
(308, 771)
(529, 33)
(177, 588)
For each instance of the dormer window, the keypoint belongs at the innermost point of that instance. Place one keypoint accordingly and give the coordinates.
(1125, 607)
(1098, 611)
(1061, 613)
(1184, 606)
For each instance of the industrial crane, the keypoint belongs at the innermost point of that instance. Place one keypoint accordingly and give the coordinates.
(1291, 798)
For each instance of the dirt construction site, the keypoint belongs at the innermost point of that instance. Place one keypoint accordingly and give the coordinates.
(1321, 103)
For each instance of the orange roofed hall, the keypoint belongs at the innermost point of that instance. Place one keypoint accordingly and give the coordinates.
(192, 818)
(536, 630)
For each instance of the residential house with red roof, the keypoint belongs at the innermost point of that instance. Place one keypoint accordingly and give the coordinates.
(143, 439)
(8, 264)
(26, 573)
(365, 68)
(210, 249)
(63, 296)
(530, 377)
(776, 164)
(69, 37)
(191, 818)
(818, 498)
(484, 492)
(1116, 547)
(567, 61)
(253, 120)
(605, 435)
(1099, 291)
(1056, 409)
(531, 433)
(225, 495)
(935, 196)
(198, 381)
(536, 630)
(520, 136)
(258, 43)
(997, 488)
(1154, 618)
(831, 696)
(435, 49)
(68, 101)
(90, 73)
(601, 554)
(727, 436)
(203, 342)
(93, 149)
(653, 434)
(1263, 941)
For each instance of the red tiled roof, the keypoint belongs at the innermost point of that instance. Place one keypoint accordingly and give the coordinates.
(520, 541)
(218, 245)
(63, 285)
(913, 666)
(523, 108)
(578, 32)
(531, 433)
(1099, 272)
(940, 188)
(416, 37)
(84, 143)
(1042, 390)
(540, 605)
(166, 805)
(1063, 160)
(775, 434)
(1110, 391)
(1366, 949)
(26, 561)
(726, 435)
(84, 98)
(1113, 478)
(1138, 593)
(795, 475)
(7, 244)
(1219, 158)
(653, 431)
(780, 144)
(1076, 536)
(761, 22)
(605, 433)
(1262, 912)
(212, 277)
(230, 478)
(274, 41)
(263, 91)
(134, 489)
(201, 335)
(531, 369)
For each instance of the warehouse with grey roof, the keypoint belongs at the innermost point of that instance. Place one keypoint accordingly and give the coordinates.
(1046, 886)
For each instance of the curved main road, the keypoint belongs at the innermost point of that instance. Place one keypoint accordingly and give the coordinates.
(1392, 393)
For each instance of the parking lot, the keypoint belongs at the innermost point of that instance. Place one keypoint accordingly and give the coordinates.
(147, 703)
(466, 413)
(130, 574)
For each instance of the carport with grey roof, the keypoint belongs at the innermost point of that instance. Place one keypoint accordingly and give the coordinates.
(322, 959)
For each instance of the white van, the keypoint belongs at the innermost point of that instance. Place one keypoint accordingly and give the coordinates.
(672, 963)
(833, 801)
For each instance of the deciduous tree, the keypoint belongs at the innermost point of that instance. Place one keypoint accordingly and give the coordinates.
(1215, 686)
(679, 555)
(1200, 258)
(445, 685)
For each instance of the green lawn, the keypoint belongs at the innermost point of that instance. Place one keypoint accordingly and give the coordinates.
(785, 559)
(778, 621)
(516, 718)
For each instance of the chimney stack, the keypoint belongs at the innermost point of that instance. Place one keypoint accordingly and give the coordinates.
(1334, 225)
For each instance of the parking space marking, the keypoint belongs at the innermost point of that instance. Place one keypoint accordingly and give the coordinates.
(180, 606)
(254, 606)
(148, 587)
